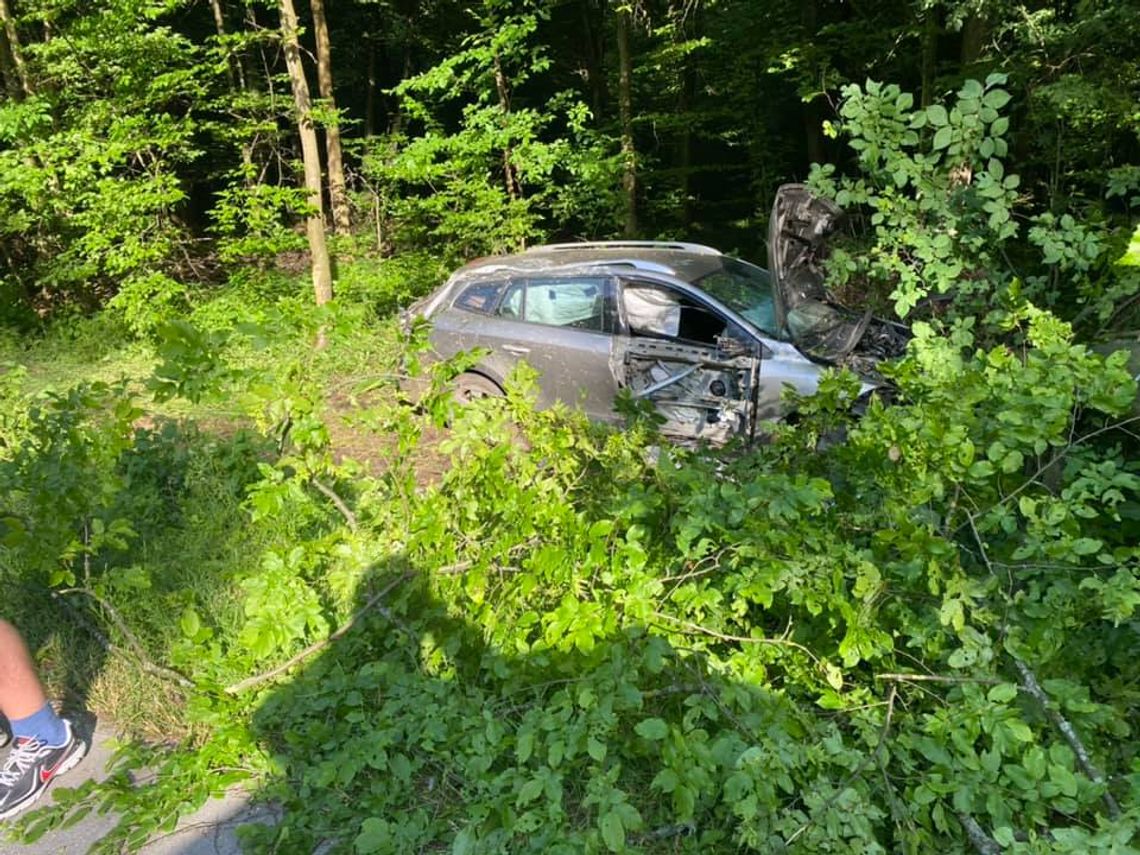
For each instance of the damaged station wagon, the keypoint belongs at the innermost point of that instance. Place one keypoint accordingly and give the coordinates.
(709, 340)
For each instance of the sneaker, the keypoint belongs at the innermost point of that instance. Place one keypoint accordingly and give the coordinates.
(31, 766)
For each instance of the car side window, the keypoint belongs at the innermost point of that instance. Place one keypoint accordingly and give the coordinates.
(479, 297)
(658, 311)
(512, 305)
(574, 302)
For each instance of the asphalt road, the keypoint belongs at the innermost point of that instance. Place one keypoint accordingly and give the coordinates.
(211, 831)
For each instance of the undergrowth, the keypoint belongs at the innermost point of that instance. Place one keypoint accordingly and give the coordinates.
(577, 640)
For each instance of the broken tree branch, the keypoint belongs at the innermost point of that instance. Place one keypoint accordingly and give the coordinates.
(936, 678)
(373, 601)
(857, 771)
(740, 639)
(330, 494)
(1032, 687)
(983, 844)
(137, 653)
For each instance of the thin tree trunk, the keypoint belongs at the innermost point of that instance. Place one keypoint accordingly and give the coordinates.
(370, 93)
(310, 154)
(685, 100)
(625, 106)
(929, 54)
(592, 28)
(813, 121)
(233, 67)
(975, 30)
(510, 177)
(8, 69)
(338, 195)
(13, 37)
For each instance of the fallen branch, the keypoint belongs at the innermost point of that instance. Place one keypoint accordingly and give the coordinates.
(936, 678)
(265, 676)
(742, 639)
(1032, 687)
(1053, 462)
(330, 494)
(137, 653)
(856, 772)
(983, 844)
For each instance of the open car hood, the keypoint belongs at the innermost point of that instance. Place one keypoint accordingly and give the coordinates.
(822, 329)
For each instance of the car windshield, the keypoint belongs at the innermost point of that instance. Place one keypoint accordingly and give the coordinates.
(747, 290)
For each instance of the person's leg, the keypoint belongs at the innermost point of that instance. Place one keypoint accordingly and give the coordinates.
(46, 745)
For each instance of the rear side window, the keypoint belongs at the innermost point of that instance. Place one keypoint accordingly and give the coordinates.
(480, 297)
(578, 303)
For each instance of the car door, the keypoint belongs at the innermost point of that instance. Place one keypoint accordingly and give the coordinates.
(566, 334)
(700, 371)
(562, 325)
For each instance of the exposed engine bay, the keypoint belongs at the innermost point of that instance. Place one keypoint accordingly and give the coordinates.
(798, 231)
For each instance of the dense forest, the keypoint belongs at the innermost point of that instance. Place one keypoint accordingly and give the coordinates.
(495, 629)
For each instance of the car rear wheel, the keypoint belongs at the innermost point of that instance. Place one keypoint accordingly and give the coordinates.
(471, 387)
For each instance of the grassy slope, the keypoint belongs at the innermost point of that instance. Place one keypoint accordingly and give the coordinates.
(192, 545)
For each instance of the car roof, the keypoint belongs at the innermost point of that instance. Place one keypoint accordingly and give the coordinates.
(685, 261)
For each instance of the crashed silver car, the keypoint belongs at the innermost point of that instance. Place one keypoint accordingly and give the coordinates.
(710, 340)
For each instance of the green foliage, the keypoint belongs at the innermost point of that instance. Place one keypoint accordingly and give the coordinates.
(569, 643)
(506, 173)
(943, 214)
(939, 200)
(90, 159)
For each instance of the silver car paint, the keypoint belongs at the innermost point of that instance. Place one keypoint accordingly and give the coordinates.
(597, 369)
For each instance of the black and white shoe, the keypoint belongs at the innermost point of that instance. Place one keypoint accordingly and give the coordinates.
(31, 766)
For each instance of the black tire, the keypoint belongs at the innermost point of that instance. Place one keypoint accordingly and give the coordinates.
(470, 387)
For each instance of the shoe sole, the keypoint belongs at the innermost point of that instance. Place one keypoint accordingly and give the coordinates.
(67, 765)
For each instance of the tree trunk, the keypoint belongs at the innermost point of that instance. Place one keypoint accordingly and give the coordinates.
(929, 54)
(310, 154)
(625, 106)
(12, 36)
(338, 195)
(592, 31)
(975, 30)
(8, 69)
(685, 99)
(510, 175)
(233, 65)
(370, 93)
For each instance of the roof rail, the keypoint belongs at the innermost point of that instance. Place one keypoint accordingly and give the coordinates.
(696, 248)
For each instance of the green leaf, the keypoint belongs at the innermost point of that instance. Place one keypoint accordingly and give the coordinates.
(943, 137)
(529, 791)
(971, 89)
(1065, 780)
(1086, 546)
(666, 781)
(613, 831)
(996, 98)
(652, 728)
(190, 623)
(524, 747)
(936, 115)
(1002, 693)
(833, 675)
(375, 836)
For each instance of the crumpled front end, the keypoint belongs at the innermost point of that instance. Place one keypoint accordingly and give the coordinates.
(798, 234)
